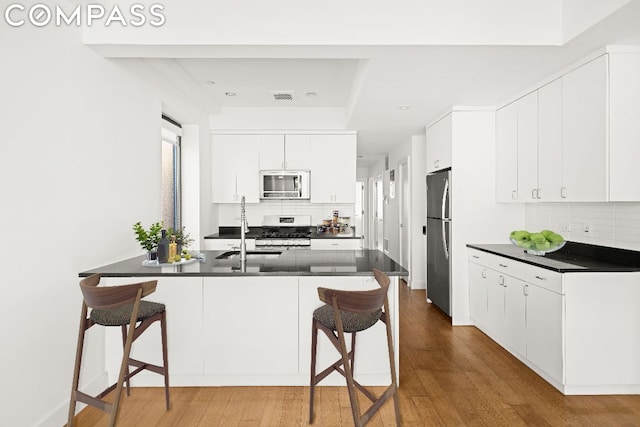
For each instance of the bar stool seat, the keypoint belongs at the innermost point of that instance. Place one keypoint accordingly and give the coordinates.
(118, 306)
(352, 312)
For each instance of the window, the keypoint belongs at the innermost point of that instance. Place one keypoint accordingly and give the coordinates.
(171, 133)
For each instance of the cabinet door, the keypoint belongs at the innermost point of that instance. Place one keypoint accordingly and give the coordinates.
(584, 112)
(550, 142)
(528, 148)
(335, 244)
(544, 330)
(182, 297)
(250, 325)
(478, 293)
(223, 169)
(271, 152)
(298, 152)
(333, 171)
(227, 244)
(495, 306)
(507, 154)
(246, 159)
(439, 140)
(514, 315)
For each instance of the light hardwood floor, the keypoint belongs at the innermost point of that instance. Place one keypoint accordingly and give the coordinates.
(449, 376)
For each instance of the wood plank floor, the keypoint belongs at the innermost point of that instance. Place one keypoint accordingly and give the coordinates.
(448, 377)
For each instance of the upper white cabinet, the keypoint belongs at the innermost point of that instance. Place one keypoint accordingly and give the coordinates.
(550, 142)
(235, 168)
(584, 141)
(439, 137)
(507, 153)
(285, 152)
(333, 168)
(584, 132)
(624, 127)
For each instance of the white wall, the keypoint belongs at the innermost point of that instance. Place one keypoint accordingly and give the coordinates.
(612, 224)
(82, 164)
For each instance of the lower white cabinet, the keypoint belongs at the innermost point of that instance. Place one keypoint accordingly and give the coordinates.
(250, 326)
(336, 243)
(227, 244)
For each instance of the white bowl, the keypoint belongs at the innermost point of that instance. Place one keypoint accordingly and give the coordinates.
(537, 252)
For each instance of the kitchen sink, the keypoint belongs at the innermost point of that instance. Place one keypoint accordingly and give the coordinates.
(251, 255)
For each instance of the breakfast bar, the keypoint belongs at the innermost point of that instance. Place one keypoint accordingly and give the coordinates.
(235, 324)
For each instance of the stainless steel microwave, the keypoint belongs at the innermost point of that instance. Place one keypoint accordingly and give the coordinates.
(287, 185)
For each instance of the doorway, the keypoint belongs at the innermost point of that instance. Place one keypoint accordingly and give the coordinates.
(379, 213)
(359, 214)
(404, 203)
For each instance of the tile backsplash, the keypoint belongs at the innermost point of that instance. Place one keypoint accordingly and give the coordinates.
(607, 224)
(229, 214)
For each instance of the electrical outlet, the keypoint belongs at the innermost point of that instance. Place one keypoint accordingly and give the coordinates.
(587, 229)
(565, 227)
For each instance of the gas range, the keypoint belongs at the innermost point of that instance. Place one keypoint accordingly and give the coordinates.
(285, 232)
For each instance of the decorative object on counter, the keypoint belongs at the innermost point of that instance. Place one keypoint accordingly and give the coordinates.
(173, 249)
(540, 243)
(163, 248)
(148, 239)
(336, 217)
(183, 238)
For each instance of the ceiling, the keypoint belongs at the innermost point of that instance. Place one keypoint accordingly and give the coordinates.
(385, 93)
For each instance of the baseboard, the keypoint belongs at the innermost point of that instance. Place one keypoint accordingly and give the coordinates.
(418, 284)
(58, 417)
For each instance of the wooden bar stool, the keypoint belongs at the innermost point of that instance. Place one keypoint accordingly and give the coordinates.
(118, 306)
(352, 312)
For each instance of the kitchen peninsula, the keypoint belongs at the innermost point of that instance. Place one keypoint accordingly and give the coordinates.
(229, 325)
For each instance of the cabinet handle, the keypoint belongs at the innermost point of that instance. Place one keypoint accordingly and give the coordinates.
(503, 265)
(524, 290)
(539, 193)
(501, 281)
(484, 274)
(475, 256)
(514, 194)
(533, 193)
(563, 192)
(541, 278)
(436, 163)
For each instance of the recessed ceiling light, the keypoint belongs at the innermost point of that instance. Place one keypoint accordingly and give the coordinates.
(404, 107)
(230, 93)
(360, 156)
(312, 94)
(210, 82)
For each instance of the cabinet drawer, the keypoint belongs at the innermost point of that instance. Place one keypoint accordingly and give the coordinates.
(542, 277)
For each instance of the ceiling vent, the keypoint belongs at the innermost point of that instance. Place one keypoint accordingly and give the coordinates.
(282, 95)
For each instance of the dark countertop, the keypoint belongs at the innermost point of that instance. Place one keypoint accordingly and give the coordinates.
(255, 232)
(290, 263)
(573, 257)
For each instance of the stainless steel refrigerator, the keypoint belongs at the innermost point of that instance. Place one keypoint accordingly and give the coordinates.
(438, 239)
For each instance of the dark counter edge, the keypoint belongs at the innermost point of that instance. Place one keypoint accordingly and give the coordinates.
(255, 232)
(587, 258)
(127, 265)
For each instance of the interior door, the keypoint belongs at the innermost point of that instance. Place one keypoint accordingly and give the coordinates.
(359, 216)
(405, 253)
(379, 214)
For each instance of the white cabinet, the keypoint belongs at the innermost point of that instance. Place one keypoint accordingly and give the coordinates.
(235, 168)
(285, 152)
(333, 168)
(439, 140)
(507, 154)
(183, 299)
(528, 148)
(337, 243)
(550, 142)
(584, 124)
(250, 326)
(544, 330)
(227, 244)
(478, 286)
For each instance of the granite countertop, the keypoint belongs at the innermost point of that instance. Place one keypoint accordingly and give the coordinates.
(289, 263)
(255, 232)
(573, 257)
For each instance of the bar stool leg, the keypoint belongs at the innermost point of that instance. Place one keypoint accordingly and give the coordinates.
(314, 346)
(165, 356)
(76, 370)
(124, 342)
(355, 408)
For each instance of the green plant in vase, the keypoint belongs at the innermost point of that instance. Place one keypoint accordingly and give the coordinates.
(148, 239)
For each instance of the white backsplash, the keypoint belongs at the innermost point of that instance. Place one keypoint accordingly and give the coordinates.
(229, 214)
(611, 224)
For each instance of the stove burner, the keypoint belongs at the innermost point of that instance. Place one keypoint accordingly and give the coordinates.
(286, 232)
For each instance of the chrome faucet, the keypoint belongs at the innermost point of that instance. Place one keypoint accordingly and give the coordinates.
(244, 229)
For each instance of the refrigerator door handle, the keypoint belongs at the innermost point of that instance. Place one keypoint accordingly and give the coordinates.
(444, 238)
(445, 193)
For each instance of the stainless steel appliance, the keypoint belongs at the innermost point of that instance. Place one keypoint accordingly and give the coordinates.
(438, 239)
(285, 185)
(285, 232)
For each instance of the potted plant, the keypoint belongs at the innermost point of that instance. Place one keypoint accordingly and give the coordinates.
(183, 238)
(148, 239)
